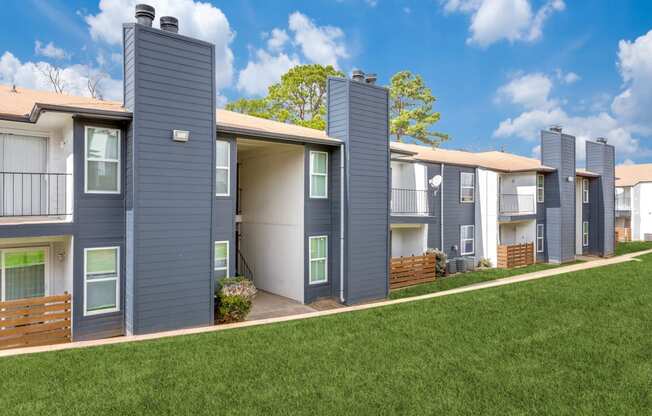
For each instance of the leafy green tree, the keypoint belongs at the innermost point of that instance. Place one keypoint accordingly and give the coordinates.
(299, 98)
(411, 110)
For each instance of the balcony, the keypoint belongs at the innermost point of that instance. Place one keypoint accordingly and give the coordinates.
(410, 202)
(517, 204)
(35, 197)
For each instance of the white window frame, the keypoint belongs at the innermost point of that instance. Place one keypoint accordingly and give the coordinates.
(311, 259)
(116, 278)
(46, 259)
(313, 173)
(585, 233)
(227, 168)
(541, 188)
(541, 237)
(462, 239)
(585, 191)
(96, 159)
(472, 187)
(219, 269)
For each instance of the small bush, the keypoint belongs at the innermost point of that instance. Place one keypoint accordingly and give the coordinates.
(484, 262)
(440, 261)
(233, 299)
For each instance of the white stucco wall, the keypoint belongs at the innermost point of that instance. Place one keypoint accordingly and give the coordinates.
(518, 233)
(524, 186)
(409, 241)
(272, 186)
(645, 209)
(486, 216)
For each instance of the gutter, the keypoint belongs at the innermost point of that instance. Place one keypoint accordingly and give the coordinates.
(441, 208)
(258, 134)
(39, 109)
(342, 300)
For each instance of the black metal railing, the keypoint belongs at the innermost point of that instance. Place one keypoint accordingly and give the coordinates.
(517, 204)
(242, 268)
(27, 194)
(410, 202)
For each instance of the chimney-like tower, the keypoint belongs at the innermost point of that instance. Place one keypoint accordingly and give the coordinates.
(600, 159)
(169, 86)
(358, 115)
(558, 151)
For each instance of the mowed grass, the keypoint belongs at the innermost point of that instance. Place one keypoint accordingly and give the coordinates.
(632, 247)
(574, 344)
(469, 278)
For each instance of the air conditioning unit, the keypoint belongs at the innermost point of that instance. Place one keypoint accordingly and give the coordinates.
(647, 237)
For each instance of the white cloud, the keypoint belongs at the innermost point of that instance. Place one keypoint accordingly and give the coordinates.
(49, 51)
(319, 44)
(628, 162)
(496, 20)
(263, 71)
(530, 91)
(277, 39)
(75, 77)
(197, 19)
(371, 3)
(634, 103)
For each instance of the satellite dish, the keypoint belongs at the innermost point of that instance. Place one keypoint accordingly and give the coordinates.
(435, 181)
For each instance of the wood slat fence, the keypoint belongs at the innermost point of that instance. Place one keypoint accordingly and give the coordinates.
(35, 321)
(515, 255)
(408, 271)
(623, 234)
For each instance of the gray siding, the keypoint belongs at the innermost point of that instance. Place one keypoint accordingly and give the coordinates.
(558, 151)
(321, 217)
(600, 159)
(456, 213)
(173, 183)
(358, 114)
(225, 207)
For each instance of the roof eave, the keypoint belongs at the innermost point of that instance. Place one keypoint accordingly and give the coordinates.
(253, 133)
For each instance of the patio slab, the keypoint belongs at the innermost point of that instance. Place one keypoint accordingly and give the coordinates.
(267, 305)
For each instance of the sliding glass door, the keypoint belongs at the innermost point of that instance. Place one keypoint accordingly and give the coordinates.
(24, 273)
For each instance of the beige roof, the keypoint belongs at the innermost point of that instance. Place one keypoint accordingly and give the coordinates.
(230, 121)
(22, 102)
(630, 175)
(501, 161)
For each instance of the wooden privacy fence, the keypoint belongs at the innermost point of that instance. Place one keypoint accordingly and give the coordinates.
(623, 234)
(35, 321)
(407, 271)
(515, 255)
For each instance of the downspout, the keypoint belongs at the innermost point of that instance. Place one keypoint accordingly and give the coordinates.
(441, 208)
(342, 224)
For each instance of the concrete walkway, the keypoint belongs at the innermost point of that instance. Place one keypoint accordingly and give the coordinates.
(484, 285)
(267, 305)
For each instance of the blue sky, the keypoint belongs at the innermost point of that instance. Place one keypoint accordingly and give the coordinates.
(501, 69)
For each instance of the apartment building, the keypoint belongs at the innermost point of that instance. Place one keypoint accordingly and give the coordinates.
(634, 202)
(135, 209)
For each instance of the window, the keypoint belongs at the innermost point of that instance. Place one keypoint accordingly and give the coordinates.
(540, 188)
(221, 259)
(585, 233)
(540, 237)
(467, 186)
(585, 191)
(467, 239)
(318, 175)
(102, 160)
(24, 273)
(318, 272)
(223, 168)
(101, 280)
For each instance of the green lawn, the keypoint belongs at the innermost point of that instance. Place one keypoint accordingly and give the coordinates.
(632, 247)
(465, 279)
(576, 344)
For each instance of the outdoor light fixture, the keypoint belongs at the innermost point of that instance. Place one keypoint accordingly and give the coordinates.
(570, 179)
(180, 135)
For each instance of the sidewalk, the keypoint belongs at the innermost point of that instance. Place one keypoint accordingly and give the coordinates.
(477, 286)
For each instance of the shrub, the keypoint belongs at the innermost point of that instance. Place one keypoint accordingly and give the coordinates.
(440, 261)
(484, 262)
(233, 299)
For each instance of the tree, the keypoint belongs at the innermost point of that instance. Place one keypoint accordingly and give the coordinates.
(54, 75)
(298, 98)
(93, 83)
(411, 110)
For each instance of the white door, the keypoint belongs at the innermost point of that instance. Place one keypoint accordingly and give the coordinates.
(24, 188)
(24, 273)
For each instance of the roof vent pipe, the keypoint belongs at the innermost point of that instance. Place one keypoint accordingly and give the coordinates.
(601, 140)
(145, 14)
(170, 24)
(556, 128)
(357, 75)
(370, 79)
